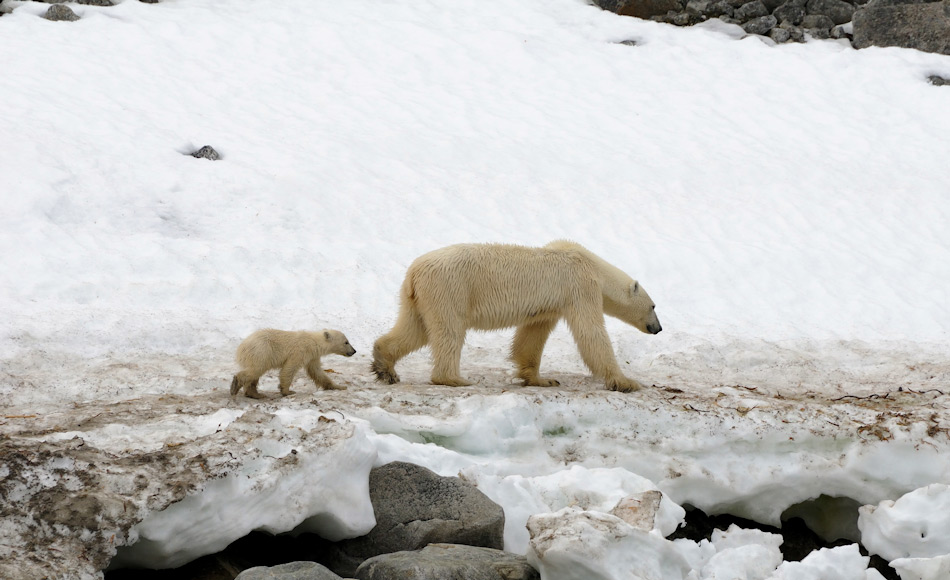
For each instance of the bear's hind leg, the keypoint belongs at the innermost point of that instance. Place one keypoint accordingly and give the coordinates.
(408, 335)
(251, 390)
(246, 380)
(526, 351)
(447, 354)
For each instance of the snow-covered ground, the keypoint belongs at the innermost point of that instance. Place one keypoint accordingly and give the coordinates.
(787, 207)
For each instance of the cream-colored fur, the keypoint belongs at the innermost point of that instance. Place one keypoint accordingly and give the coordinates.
(289, 351)
(489, 286)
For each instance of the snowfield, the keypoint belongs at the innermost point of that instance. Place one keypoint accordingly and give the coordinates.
(786, 207)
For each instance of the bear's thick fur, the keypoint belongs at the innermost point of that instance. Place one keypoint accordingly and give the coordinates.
(489, 286)
(289, 351)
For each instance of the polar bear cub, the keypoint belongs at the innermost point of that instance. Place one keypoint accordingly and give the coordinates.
(490, 286)
(289, 351)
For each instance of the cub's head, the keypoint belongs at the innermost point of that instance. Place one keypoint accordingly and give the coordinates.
(636, 309)
(337, 343)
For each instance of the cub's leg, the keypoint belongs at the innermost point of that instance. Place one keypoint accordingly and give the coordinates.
(247, 380)
(320, 378)
(287, 373)
(526, 349)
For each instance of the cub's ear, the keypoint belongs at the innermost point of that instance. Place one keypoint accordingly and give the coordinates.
(635, 288)
(326, 335)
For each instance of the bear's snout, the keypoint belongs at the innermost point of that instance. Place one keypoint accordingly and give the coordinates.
(654, 328)
(352, 351)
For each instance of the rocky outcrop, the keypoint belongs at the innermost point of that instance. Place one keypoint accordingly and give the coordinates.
(439, 561)
(903, 23)
(415, 507)
(925, 27)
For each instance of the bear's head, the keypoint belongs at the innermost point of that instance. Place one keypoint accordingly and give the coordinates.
(337, 343)
(636, 309)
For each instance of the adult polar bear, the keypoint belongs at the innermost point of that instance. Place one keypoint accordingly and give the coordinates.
(490, 286)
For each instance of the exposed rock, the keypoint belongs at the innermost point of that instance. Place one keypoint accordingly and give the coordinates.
(60, 13)
(751, 10)
(760, 25)
(938, 80)
(925, 27)
(789, 12)
(838, 11)
(719, 8)
(640, 8)
(290, 571)
(818, 25)
(780, 35)
(206, 152)
(440, 561)
(415, 507)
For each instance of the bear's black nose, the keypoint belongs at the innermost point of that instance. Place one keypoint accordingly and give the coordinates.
(654, 328)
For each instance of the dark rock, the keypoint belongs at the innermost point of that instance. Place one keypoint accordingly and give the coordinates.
(290, 571)
(628, 42)
(750, 10)
(719, 8)
(817, 22)
(780, 35)
(681, 19)
(95, 2)
(760, 25)
(640, 8)
(878, 3)
(771, 5)
(938, 81)
(415, 507)
(796, 34)
(925, 27)
(60, 13)
(441, 561)
(790, 13)
(206, 152)
(697, 8)
(838, 10)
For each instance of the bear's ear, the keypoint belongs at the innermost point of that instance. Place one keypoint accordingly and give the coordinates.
(635, 288)
(326, 335)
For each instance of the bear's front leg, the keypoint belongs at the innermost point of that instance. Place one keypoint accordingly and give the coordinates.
(623, 384)
(320, 378)
(287, 373)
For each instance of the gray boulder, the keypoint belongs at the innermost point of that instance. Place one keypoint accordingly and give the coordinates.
(838, 11)
(790, 13)
(441, 561)
(761, 25)
(750, 10)
(206, 152)
(60, 13)
(415, 507)
(289, 571)
(925, 27)
(818, 23)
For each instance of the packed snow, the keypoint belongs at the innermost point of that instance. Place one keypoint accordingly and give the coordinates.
(785, 206)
